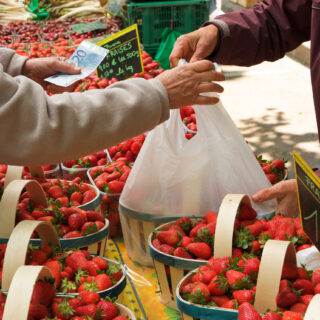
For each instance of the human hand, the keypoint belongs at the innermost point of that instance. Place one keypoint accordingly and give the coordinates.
(285, 192)
(185, 83)
(41, 68)
(196, 45)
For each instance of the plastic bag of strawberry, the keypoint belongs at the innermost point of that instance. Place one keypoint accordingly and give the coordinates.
(74, 271)
(37, 300)
(79, 167)
(188, 243)
(280, 291)
(110, 180)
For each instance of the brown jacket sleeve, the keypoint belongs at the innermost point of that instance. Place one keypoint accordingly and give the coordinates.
(265, 32)
(12, 63)
(37, 129)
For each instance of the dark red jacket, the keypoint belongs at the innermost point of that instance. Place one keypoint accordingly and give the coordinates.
(267, 32)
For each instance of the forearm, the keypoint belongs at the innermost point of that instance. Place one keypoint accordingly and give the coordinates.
(37, 129)
(12, 63)
(265, 32)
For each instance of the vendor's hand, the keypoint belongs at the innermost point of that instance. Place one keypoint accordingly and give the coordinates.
(42, 68)
(195, 46)
(285, 192)
(185, 83)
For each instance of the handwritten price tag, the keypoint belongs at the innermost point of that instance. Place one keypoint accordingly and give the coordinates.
(124, 58)
(308, 184)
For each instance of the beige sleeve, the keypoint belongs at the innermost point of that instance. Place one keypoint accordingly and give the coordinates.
(12, 63)
(37, 129)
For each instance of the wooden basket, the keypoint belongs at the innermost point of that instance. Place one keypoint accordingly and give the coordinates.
(136, 228)
(275, 254)
(95, 242)
(170, 270)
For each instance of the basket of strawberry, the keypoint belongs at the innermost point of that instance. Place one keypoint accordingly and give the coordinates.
(79, 167)
(74, 271)
(187, 243)
(76, 228)
(127, 150)
(110, 180)
(38, 300)
(275, 170)
(245, 287)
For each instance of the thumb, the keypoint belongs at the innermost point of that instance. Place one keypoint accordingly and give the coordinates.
(201, 52)
(65, 67)
(265, 195)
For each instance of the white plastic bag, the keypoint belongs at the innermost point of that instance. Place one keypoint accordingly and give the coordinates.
(173, 176)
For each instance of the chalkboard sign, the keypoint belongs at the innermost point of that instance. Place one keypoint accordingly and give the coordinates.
(124, 57)
(308, 184)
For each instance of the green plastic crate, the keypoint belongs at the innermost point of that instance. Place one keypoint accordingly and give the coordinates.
(153, 17)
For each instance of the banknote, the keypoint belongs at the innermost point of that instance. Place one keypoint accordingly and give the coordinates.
(88, 57)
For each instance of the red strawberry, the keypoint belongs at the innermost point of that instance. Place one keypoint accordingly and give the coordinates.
(92, 268)
(207, 274)
(195, 229)
(115, 186)
(206, 233)
(290, 315)
(108, 311)
(101, 263)
(290, 272)
(272, 316)
(256, 246)
(76, 260)
(89, 228)
(304, 286)
(211, 217)
(200, 250)
(303, 273)
(43, 293)
(218, 286)
(120, 318)
(306, 299)
(246, 212)
(187, 288)
(72, 234)
(243, 296)
(278, 164)
(200, 293)
(220, 300)
(251, 266)
(287, 298)
(55, 192)
(185, 241)
(88, 310)
(231, 304)
(55, 268)
(170, 237)
(76, 197)
(88, 196)
(181, 253)
(165, 248)
(315, 279)
(238, 280)
(219, 265)
(38, 257)
(37, 311)
(255, 228)
(103, 282)
(272, 177)
(94, 216)
(75, 221)
(299, 308)
(89, 297)
(317, 289)
(156, 243)
(248, 312)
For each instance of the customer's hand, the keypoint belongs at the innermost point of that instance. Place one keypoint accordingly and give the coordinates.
(285, 192)
(185, 83)
(195, 46)
(40, 68)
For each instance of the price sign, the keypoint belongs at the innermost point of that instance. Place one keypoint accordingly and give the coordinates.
(124, 58)
(308, 187)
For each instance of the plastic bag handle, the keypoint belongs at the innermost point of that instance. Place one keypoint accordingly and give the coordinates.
(17, 247)
(312, 312)
(18, 300)
(10, 200)
(223, 240)
(275, 255)
(16, 172)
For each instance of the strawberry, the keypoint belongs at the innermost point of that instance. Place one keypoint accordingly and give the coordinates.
(107, 310)
(68, 286)
(165, 248)
(290, 272)
(303, 273)
(76, 197)
(211, 217)
(187, 288)
(220, 300)
(89, 228)
(92, 268)
(37, 311)
(76, 260)
(182, 253)
(88, 196)
(55, 268)
(115, 186)
(55, 192)
(195, 229)
(206, 233)
(287, 298)
(219, 265)
(251, 266)
(238, 280)
(94, 216)
(170, 237)
(299, 308)
(246, 212)
(315, 279)
(317, 289)
(200, 293)
(290, 315)
(255, 228)
(120, 318)
(272, 177)
(218, 285)
(89, 297)
(72, 235)
(272, 316)
(256, 247)
(43, 293)
(207, 274)
(156, 243)
(101, 263)
(38, 257)
(88, 310)
(231, 304)
(304, 286)
(185, 241)
(243, 296)
(103, 282)
(306, 299)
(248, 312)
(200, 250)
(75, 221)
(278, 164)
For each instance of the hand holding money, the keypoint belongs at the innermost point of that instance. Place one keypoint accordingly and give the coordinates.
(87, 57)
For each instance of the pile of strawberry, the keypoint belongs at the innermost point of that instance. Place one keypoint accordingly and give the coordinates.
(89, 305)
(127, 150)
(112, 177)
(70, 222)
(274, 170)
(230, 283)
(89, 161)
(189, 119)
(193, 238)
